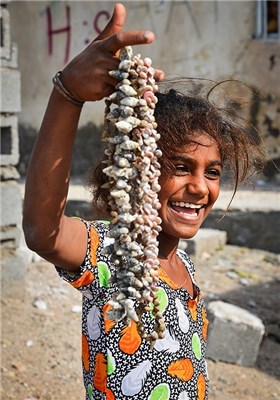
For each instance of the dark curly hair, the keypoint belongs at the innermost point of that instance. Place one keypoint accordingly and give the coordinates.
(181, 119)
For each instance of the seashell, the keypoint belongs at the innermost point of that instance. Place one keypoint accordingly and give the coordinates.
(146, 294)
(158, 153)
(116, 97)
(143, 75)
(126, 208)
(114, 304)
(133, 292)
(124, 126)
(161, 334)
(147, 61)
(118, 193)
(141, 81)
(115, 232)
(151, 72)
(133, 121)
(125, 65)
(118, 139)
(133, 170)
(133, 74)
(131, 313)
(121, 162)
(156, 187)
(128, 90)
(129, 101)
(149, 97)
(121, 184)
(144, 123)
(154, 335)
(125, 111)
(121, 201)
(113, 115)
(126, 53)
(120, 297)
(142, 102)
(117, 74)
(137, 283)
(129, 145)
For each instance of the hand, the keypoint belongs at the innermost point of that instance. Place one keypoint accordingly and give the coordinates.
(86, 76)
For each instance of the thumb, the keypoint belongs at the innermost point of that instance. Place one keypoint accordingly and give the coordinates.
(115, 24)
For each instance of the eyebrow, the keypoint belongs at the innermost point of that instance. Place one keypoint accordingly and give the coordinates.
(189, 159)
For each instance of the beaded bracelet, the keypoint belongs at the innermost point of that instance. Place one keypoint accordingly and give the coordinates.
(64, 92)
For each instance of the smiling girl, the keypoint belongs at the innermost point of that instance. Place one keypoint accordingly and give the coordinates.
(197, 143)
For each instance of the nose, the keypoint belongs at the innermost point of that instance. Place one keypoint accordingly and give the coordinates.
(197, 185)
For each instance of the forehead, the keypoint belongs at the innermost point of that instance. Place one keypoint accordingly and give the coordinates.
(202, 145)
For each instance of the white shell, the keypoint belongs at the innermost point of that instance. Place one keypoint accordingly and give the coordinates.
(128, 90)
(124, 126)
(129, 101)
(133, 170)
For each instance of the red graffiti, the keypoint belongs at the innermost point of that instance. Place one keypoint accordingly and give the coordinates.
(98, 22)
(101, 14)
(66, 29)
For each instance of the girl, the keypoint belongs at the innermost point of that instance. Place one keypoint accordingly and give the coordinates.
(197, 144)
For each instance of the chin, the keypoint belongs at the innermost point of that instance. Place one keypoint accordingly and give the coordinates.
(189, 235)
(185, 235)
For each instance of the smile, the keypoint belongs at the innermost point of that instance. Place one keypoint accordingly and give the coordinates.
(186, 208)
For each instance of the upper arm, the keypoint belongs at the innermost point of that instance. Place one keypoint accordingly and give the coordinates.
(71, 245)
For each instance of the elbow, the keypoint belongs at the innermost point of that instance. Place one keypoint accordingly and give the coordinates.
(37, 239)
(30, 235)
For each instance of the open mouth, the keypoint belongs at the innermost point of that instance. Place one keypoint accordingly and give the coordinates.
(186, 208)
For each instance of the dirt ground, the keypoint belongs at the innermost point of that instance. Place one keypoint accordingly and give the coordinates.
(41, 329)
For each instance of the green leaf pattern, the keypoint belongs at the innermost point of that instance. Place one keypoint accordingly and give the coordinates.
(196, 346)
(104, 274)
(111, 363)
(162, 299)
(160, 392)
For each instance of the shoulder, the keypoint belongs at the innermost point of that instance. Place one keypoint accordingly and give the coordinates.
(97, 239)
(97, 234)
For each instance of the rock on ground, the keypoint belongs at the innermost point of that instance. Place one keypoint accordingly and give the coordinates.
(41, 346)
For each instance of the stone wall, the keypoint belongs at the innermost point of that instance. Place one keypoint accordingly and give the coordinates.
(206, 39)
(13, 258)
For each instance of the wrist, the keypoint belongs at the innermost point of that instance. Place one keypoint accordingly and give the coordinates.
(59, 86)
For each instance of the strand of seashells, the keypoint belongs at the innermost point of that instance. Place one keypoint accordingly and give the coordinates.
(133, 170)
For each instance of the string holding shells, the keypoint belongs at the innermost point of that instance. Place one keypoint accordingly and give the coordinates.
(133, 170)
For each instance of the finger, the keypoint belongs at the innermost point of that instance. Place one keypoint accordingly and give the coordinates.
(115, 24)
(131, 38)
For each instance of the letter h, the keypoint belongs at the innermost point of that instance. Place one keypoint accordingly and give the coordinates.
(66, 29)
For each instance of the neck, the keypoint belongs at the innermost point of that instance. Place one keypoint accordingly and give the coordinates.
(167, 247)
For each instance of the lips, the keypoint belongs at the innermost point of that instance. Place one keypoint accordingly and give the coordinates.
(186, 208)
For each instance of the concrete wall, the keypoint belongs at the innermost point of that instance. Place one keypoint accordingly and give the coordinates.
(211, 39)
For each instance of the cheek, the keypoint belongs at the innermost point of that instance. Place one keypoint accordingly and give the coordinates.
(167, 185)
(214, 192)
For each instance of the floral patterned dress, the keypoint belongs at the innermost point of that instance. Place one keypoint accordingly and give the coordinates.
(117, 362)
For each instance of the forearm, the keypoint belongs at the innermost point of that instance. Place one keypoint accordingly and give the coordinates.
(57, 238)
(48, 174)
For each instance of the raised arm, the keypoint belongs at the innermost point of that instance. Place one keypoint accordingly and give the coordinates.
(57, 238)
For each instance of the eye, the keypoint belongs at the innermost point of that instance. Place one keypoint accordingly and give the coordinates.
(181, 169)
(213, 173)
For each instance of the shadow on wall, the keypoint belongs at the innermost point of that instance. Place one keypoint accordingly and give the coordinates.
(88, 147)
(262, 300)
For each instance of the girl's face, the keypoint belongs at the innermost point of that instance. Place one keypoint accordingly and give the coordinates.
(187, 195)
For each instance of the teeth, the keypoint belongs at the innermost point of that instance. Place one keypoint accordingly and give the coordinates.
(187, 205)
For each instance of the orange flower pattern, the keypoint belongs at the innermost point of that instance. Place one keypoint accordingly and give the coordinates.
(117, 362)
